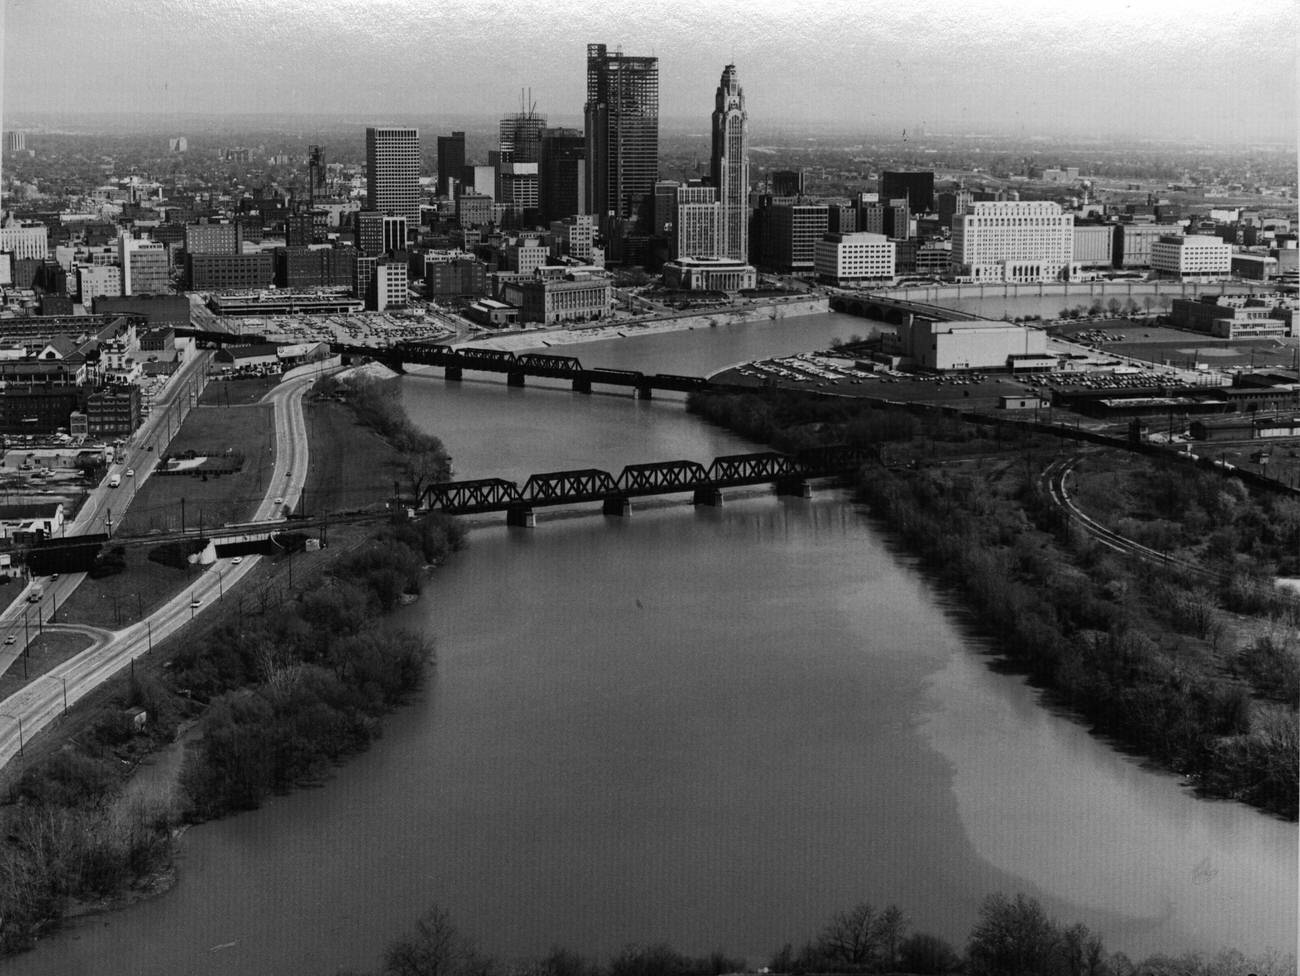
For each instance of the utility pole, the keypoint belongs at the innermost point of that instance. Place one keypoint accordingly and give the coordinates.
(182, 516)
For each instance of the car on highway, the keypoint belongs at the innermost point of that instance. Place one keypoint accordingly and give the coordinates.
(130, 472)
(196, 602)
(10, 639)
(279, 500)
(53, 577)
(237, 560)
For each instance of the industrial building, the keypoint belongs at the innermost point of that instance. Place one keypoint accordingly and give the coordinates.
(977, 344)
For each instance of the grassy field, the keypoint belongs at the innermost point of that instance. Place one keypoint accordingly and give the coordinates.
(234, 393)
(119, 601)
(44, 652)
(351, 466)
(249, 430)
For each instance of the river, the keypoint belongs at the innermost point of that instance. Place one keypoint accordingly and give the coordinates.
(710, 727)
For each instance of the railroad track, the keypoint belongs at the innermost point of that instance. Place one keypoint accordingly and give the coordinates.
(1053, 482)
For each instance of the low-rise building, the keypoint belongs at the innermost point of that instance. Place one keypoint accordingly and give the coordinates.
(113, 410)
(576, 297)
(492, 313)
(848, 259)
(978, 344)
(229, 272)
(454, 275)
(709, 274)
(1236, 316)
(284, 303)
(22, 524)
(1191, 256)
(248, 357)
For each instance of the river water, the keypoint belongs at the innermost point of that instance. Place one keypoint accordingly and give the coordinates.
(713, 727)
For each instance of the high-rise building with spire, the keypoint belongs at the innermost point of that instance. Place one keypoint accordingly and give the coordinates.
(729, 167)
(622, 130)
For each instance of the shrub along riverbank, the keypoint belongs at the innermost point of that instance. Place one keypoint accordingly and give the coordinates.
(279, 696)
(1141, 652)
(1011, 937)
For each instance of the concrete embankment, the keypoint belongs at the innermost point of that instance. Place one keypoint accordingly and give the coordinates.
(653, 324)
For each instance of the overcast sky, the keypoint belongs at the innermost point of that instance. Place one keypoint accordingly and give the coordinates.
(1196, 69)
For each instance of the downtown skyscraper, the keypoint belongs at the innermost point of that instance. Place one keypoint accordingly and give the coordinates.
(729, 166)
(622, 130)
(393, 172)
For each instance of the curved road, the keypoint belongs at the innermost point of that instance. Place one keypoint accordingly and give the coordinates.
(28, 711)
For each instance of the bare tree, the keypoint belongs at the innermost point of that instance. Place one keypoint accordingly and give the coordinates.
(851, 936)
(891, 925)
(435, 948)
(1013, 938)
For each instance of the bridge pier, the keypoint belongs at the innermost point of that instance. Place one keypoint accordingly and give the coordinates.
(582, 384)
(708, 496)
(620, 506)
(794, 486)
(515, 377)
(521, 516)
(644, 391)
(453, 373)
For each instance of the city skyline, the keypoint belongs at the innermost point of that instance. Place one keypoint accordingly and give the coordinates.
(1164, 71)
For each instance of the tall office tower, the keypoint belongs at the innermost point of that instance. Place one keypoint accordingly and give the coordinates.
(451, 160)
(729, 166)
(562, 174)
(622, 130)
(916, 187)
(393, 172)
(315, 174)
(15, 140)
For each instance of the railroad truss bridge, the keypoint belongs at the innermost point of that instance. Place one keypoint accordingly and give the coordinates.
(789, 473)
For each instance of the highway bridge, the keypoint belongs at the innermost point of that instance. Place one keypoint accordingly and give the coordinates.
(882, 308)
(789, 473)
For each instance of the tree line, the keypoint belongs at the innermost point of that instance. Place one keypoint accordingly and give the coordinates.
(1129, 645)
(280, 694)
(1012, 936)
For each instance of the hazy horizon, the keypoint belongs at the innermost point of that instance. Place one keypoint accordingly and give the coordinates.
(1186, 71)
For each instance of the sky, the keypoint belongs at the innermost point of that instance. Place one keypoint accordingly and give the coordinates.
(1202, 70)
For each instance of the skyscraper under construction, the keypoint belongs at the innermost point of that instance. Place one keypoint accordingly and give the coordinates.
(622, 131)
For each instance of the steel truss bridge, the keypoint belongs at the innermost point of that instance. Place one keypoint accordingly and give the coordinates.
(516, 367)
(789, 473)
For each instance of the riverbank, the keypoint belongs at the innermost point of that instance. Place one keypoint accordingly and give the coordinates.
(1137, 651)
(650, 325)
(271, 697)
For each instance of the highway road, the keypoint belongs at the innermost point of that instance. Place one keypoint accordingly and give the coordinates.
(28, 711)
(25, 615)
